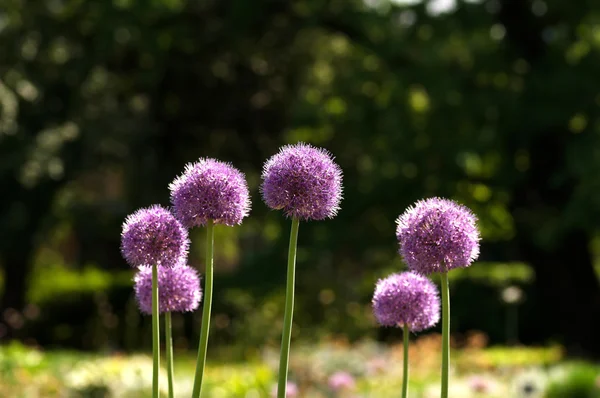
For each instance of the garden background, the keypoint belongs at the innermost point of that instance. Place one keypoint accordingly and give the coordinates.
(494, 103)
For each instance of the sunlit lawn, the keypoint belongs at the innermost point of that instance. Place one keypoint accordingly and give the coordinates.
(477, 372)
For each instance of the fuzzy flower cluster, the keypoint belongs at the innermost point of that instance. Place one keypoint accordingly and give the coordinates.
(406, 299)
(437, 235)
(210, 190)
(154, 236)
(303, 181)
(178, 289)
(340, 381)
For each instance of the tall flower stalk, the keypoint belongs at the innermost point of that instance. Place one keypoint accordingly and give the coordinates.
(306, 184)
(178, 291)
(153, 238)
(286, 337)
(406, 338)
(206, 310)
(209, 192)
(437, 235)
(409, 301)
(155, 334)
(169, 354)
(445, 333)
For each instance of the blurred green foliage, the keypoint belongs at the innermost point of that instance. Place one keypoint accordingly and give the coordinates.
(575, 380)
(375, 368)
(498, 274)
(243, 322)
(48, 283)
(521, 356)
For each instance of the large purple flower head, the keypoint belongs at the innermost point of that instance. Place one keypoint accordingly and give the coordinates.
(178, 289)
(304, 181)
(437, 235)
(406, 299)
(154, 236)
(210, 190)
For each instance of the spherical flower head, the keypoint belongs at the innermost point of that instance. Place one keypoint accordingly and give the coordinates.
(406, 299)
(303, 181)
(340, 381)
(291, 390)
(154, 236)
(437, 235)
(178, 289)
(210, 190)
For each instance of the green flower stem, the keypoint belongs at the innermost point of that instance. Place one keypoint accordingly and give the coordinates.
(155, 333)
(445, 333)
(405, 331)
(169, 348)
(208, 287)
(286, 338)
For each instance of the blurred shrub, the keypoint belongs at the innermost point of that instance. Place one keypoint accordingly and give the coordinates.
(95, 309)
(16, 356)
(495, 273)
(575, 380)
(48, 283)
(376, 368)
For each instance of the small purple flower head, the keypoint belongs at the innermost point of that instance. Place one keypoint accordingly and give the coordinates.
(210, 190)
(291, 390)
(406, 299)
(437, 235)
(304, 181)
(178, 289)
(340, 381)
(154, 236)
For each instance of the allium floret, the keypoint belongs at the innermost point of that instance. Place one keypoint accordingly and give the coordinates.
(406, 299)
(303, 181)
(178, 289)
(154, 236)
(437, 235)
(210, 190)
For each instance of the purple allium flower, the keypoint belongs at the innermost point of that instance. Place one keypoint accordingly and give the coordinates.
(291, 390)
(154, 236)
(341, 381)
(210, 190)
(178, 289)
(406, 298)
(437, 235)
(304, 181)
